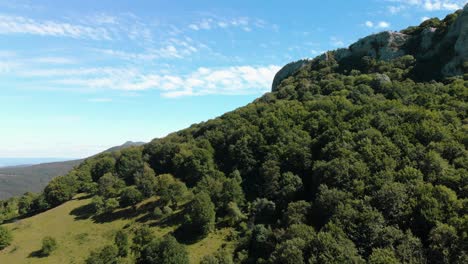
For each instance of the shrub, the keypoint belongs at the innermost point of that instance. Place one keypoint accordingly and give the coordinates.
(49, 244)
(121, 241)
(5, 237)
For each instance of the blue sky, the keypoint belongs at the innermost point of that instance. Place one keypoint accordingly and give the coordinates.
(77, 77)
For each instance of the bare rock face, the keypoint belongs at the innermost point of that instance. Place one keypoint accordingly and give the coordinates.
(386, 45)
(288, 70)
(459, 31)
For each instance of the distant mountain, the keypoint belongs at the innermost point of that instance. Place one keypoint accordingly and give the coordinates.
(18, 179)
(10, 162)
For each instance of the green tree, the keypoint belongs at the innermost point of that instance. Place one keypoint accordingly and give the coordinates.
(110, 205)
(443, 244)
(142, 236)
(383, 256)
(25, 203)
(200, 215)
(170, 190)
(110, 185)
(165, 251)
(145, 181)
(60, 190)
(130, 196)
(102, 166)
(129, 163)
(289, 252)
(297, 212)
(106, 255)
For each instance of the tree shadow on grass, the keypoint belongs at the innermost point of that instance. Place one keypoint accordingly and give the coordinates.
(125, 213)
(37, 254)
(83, 212)
(186, 234)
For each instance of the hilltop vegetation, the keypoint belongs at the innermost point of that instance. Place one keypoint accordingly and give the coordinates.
(346, 161)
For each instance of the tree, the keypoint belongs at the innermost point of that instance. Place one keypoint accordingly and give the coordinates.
(110, 205)
(263, 211)
(170, 189)
(102, 166)
(297, 212)
(165, 251)
(121, 241)
(200, 215)
(383, 256)
(25, 203)
(60, 189)
(145, 181)
(130, 196)
(443, 244)
(97, 204)
(129, 163)
(333, 247)
(142, 237)
(232, 191)
(289, 252)
(49, 244)
(110, 185)
(5, 237)
(106, 255)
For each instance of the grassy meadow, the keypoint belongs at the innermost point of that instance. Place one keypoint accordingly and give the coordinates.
(78, 233)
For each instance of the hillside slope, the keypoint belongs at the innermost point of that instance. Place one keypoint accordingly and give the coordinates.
(77, 234)
(15, 181)
(350, 159)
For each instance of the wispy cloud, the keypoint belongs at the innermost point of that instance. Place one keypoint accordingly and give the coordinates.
(378, 25)
(172, 49)
(203, 81)
(243, 23)
(22, 25)
(425, 5)
(53, 60)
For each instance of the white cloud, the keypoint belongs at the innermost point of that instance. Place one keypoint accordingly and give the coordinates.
(383, 24)
(424, 18)
(378, 25)
(229, 80)
(427, 5)
(22, 25)
(244, 23)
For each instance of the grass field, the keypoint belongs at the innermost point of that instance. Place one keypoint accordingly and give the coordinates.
(77, 233)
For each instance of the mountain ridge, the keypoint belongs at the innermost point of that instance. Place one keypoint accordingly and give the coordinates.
(429, 42)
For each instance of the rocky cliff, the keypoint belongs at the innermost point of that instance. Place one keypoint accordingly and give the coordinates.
(440, 48)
